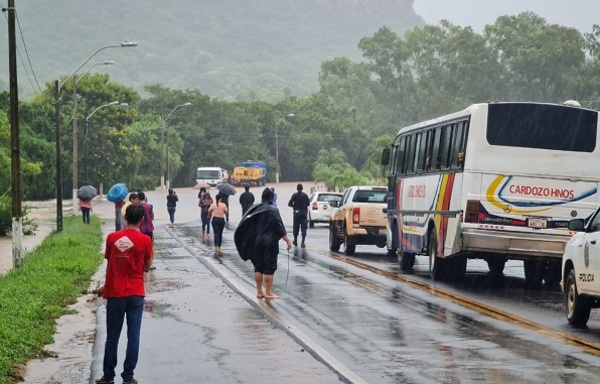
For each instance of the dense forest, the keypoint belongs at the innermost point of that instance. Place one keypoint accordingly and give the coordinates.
(336, 134)
(236, 49)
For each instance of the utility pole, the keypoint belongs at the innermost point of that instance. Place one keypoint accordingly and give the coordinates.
(15, 149)
(59, 212)
(75, 150)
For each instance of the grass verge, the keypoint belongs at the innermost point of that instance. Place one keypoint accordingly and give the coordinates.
(53, 276)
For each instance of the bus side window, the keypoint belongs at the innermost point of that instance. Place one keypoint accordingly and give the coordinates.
(400, 149)
(410, 153)
(435, 149)
(458, 144)
(423, 156)
(445, 148)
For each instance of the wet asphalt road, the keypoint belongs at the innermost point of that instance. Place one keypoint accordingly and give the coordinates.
(387, 332)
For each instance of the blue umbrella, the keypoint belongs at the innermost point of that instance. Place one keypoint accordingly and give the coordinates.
(117, 193)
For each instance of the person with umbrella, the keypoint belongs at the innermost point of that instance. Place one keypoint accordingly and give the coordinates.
(257, 238)
(86, 206)
(226, 190)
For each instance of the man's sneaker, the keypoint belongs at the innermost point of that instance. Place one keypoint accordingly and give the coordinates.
(104, 381)
(303, 245)
(130, 381)
(295, 243)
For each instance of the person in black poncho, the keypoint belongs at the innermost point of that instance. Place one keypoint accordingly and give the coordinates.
(257, 238)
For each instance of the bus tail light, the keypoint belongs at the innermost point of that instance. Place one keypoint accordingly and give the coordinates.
(356, 215)
(472, 211)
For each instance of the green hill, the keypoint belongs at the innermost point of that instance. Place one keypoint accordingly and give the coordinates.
(242, 49)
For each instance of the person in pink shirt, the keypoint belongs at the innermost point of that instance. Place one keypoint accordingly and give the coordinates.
(86, 206)
(218, 211)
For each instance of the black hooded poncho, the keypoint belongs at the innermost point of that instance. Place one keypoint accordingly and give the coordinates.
(259, 232)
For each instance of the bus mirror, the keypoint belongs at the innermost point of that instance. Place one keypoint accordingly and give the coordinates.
(385, 157)
(576, 225)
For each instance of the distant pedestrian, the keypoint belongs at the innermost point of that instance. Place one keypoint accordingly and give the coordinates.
(172, 200)
(274, 202)
(129, 254)
(257, 238)
(205, 205)
(246, 199)
(120, 222)
(133, 199)
(217, 212)
(86, 206)
(299, 203)
(225, 200)
(147, 224)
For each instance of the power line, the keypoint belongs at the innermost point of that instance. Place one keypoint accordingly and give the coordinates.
(27, 53)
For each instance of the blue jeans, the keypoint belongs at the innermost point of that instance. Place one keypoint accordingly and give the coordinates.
(85, 215)
(116, 310)
(218, 223)
(171, 211)
(205, 222)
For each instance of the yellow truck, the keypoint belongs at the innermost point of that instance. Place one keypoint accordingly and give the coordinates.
(251, 172)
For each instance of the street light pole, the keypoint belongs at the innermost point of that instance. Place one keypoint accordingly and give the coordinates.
(58, 86)
(277, 170)
(162, 136)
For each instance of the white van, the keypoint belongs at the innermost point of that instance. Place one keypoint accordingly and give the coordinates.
(212, 176)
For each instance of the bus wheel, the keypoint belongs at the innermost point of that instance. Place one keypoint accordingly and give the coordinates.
(552, 273)
(406, 261)
(334, 241)
(458, 268)
(496, 266)
(436, 264)
(534, 273)
(578, 308)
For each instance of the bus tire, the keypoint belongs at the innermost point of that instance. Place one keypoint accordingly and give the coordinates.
(458, 268)
(334, 240)
(534, 273)
(578, 308)
(436, 263)
(406, 260)
(552, 273)
(496, 266)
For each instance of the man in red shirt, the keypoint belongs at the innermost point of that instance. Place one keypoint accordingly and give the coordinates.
(129, 254)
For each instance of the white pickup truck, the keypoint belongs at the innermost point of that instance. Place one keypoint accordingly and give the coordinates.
(359, 219)
(580, 265)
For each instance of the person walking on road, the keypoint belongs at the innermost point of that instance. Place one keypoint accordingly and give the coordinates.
(246, 199)
(205, 205)
(217, 212)
(86, 206)
(257, 238)
(129, 254)
(172, 200)
(299, 203)
(147, 224)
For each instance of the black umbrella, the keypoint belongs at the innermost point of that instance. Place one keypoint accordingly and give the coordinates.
(87, 192)
(226, 189)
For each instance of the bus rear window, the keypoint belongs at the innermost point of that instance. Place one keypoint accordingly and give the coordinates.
(542, 126)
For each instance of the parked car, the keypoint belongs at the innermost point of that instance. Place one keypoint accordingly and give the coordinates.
(359, 219)
(580, 263)
(321, 206)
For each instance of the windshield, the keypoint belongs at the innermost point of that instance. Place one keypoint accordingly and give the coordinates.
(542, 126)
(208, 174)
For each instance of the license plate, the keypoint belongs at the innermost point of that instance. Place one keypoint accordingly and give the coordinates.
(537, 223)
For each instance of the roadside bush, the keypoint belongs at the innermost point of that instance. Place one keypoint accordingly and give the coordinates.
(53, 276)
(6, 218)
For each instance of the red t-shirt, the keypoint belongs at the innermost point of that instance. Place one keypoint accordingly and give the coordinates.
(125, 252)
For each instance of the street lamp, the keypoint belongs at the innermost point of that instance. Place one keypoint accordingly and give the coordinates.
(162, 136)
(277, 170)
(87, 125)
(57, 87)
(76, 79)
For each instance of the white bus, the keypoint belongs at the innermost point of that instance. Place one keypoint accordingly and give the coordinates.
(212, 176)
(495, 181)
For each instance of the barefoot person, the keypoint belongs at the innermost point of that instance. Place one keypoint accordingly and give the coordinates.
(257, 238)
(129, 254)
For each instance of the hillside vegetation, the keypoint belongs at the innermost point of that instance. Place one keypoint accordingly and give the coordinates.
(236, 49)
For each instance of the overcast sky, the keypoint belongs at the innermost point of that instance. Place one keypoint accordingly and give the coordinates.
(580, 14)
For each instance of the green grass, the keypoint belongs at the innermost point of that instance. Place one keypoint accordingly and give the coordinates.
(53, 276)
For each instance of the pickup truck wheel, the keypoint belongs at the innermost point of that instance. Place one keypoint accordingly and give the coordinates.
(349, 246)
(406, 261)
(334, 241)
(577, 307)
(552, 273)
(436, 264)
